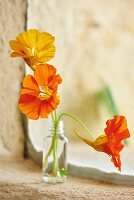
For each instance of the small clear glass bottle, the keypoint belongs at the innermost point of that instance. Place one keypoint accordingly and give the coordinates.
(55, 155)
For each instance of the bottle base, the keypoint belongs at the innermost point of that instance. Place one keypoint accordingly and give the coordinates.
(53, 180)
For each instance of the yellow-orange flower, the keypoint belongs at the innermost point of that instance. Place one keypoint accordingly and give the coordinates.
(39, 93)
(111, 141)
(34, 47)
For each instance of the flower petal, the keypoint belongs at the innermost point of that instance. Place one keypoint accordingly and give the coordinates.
(54, 101)
(16, 54)
(46, 55)
(30, 86)
(45, 40)
(15, 45)
(30, 106)
(28, 38)
(41, 74)
(55, 82)
(45, 73)
(117, 162)
(118, 124)
(45, 109)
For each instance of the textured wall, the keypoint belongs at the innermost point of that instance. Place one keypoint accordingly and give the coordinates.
(12, 21)
(95, 46)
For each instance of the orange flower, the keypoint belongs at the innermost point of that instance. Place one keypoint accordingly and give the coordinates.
(39, 94)
(34, 47)
(111, 141)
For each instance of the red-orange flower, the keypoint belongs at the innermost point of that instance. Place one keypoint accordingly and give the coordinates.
(111, 141)
(39, 94)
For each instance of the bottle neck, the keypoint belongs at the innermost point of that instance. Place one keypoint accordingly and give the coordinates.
(59, 129)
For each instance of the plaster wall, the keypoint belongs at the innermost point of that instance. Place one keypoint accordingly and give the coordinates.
(12, 22)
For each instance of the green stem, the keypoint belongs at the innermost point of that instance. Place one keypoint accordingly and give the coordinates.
(53, 147)
(45, 164)
(55, 115)
(76, 119)
(55, 142)
(55, 164)
(53, 119)
(52, 144)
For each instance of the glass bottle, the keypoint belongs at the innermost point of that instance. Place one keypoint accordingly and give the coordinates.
(55, 155)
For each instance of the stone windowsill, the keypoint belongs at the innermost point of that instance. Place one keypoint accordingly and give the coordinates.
(21, 179)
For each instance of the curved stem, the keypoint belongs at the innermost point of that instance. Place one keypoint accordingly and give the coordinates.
(76, 119)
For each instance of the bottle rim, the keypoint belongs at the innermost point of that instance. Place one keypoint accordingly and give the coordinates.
(60, 128)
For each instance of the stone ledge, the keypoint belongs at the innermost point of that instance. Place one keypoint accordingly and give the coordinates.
(21, 180)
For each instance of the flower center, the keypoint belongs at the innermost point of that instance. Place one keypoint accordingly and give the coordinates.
(34, 51)
(45, 93)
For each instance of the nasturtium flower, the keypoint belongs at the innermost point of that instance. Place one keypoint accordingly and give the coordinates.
(39, 93)
(34, 47)
(110, 142)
